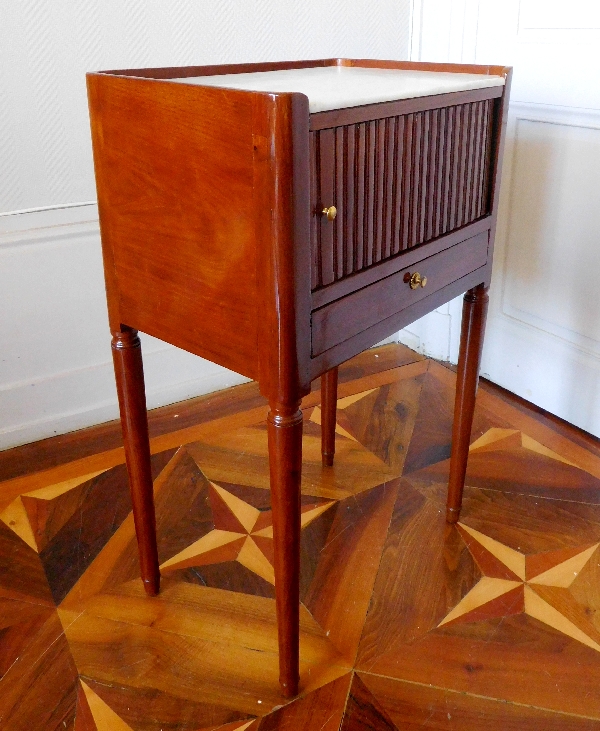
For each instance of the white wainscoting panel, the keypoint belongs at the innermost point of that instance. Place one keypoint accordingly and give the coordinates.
(552, 247)
(543, 333)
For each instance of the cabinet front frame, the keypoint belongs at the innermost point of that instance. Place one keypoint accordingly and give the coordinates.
(283, 123)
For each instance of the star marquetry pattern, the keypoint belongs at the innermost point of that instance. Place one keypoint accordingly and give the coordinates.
(26, 514)
(342, 404)
(241, 533)
(496, 439)
(81, 645)
(538, 585)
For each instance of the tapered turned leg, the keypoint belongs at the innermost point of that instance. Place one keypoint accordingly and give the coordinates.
(129, 372)
(284, 425)
(329, 383)
(469, 359)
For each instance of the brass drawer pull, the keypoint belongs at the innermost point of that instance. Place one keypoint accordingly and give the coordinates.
(330, 212)
(415, 280)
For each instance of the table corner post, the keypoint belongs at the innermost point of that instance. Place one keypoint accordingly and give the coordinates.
(129, 374)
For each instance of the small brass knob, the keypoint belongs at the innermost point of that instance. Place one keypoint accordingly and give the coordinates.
(415, 280)
(330, 212)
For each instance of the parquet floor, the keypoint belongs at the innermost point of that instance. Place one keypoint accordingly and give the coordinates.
(405, 622)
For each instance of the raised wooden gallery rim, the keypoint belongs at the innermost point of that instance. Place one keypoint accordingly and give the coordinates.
(336, 87)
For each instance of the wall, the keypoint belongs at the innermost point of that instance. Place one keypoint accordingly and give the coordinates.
(543, 332)
(55, 370)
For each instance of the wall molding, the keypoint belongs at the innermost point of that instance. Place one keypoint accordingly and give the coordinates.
(43, 209)
(554, 367)
(554, 114)
(569, 117)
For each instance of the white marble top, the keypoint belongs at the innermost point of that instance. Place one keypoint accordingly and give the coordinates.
(335, 87)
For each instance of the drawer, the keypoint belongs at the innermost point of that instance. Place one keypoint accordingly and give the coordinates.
(350, 315)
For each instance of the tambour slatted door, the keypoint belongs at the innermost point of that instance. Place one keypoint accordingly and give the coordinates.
(397, 182)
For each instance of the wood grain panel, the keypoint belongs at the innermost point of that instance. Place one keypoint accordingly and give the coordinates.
(169, 218)
(397, 182)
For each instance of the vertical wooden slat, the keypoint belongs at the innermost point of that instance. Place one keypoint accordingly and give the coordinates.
(462, 172)
(407, 167)
(470, 164)
(474, 178)
(339, 202)
(390, 179)
(416, 178)
(449, 169)
(360, 161)
(349, 202)
(454, 177)
(379, 191)
(465, 186)
(477, 169)
(315, 243)
(439, 166)
(484, 196)
(432, 176)
(398, 183)
(370, 191)
(425, 175)
(325, 159)
(482, 163)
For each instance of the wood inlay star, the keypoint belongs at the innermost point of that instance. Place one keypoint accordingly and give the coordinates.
(241, 533)
(342, 403)
(536, 585)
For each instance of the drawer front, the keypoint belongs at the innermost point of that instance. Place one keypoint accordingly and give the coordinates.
(397, 183)
(358, 311)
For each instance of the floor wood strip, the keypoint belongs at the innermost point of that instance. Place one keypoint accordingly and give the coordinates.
(411, 707)
(406, 622)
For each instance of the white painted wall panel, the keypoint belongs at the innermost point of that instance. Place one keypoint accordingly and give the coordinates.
(555, 199)
(46, 48)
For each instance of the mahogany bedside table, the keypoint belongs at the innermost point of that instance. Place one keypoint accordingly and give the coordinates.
(279, 218)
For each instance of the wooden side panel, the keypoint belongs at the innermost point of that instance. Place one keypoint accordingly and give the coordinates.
(397, 183)
(283, 228)
(175, 194)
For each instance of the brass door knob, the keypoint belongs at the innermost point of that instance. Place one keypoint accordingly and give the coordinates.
(415, 280)
(330, 212)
